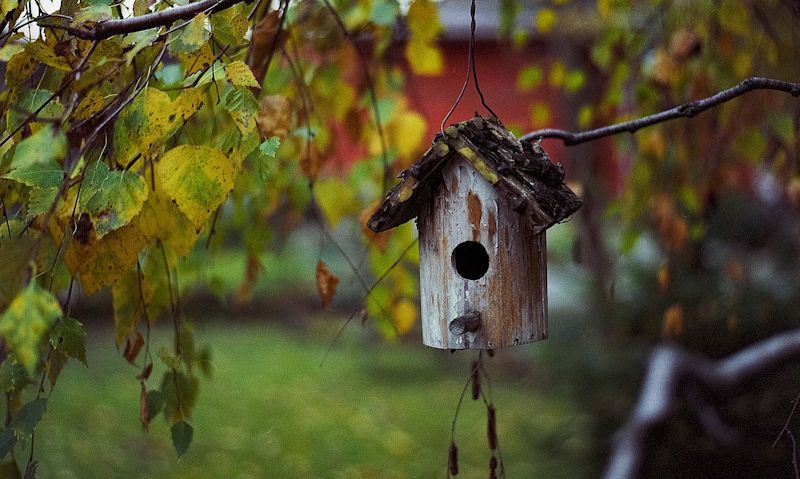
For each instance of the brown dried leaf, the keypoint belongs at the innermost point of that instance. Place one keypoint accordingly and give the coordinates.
(133, 345)
(452, 459)
(378, 239)
(491, 427)
(664, 277)
(144, 411)
(263, 37)
(475, 381)
(672, 325)
(244, 292)
(55, 363)
(326, 283)
(274, 116)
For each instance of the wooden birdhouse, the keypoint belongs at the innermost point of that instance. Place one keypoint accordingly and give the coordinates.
(483, 202)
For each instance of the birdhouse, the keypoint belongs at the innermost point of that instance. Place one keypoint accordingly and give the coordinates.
(483, 202)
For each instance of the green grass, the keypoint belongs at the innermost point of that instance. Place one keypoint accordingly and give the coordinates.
(372, 410)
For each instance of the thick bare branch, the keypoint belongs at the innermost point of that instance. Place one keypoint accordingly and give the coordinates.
(670, 368)
(686, 110)
(109, 28)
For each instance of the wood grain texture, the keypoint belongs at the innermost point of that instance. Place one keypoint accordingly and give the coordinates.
(511, 297)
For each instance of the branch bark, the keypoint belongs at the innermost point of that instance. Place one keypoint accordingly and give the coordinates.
(686, 110)
(671, 369)
(109, 28)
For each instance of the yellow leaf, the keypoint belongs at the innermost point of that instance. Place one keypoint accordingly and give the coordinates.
(422, 53)
(558, 74)
(540, 115)
(196, 60)
(404, 315)
(326, 283)
(425, 58)
(336, 199)
(197, 178)
(604, 8)
(98, 263)
(45, 54)
(423, 19)
(145, 125)
(239, 74)
(7, 6)
(25, 323)
(161, 219)
(585, 115)
(545, 20)
(188, 103)
(407, 133)
(93, 102)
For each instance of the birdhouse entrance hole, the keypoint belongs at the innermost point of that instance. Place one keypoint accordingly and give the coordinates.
(470, 260)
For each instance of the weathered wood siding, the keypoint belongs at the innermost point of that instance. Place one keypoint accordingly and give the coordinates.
(511, 297)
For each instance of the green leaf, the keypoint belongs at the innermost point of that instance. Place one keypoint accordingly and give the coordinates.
(13, 377)
(7, 442)
(266, 153)
(140, 40)
(117, 201)
(269, 147)
(7, 6)
(14, 258)
(149, 121)
(38, 157)
(69, 337)
(169, 358)
(29, 102)
(529, 77)
(40, 200)
(174, 409)
(182, 433)
(155, 402)
(26, 322)
(92, 13)
(10, 49)
(28, 417)
(242, 106)
(40, 176)
(197, 178)
(385, 12)
(229, 26)
(190, 37)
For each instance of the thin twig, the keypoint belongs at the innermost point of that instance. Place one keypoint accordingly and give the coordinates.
(366, 297)
(794, 454)
(785, 427)
(74, 76)
(109, 28)
(687, 110)
(362, 61)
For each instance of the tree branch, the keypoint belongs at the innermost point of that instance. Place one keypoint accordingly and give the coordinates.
(109, 28)
(670, 369)
(686, 110)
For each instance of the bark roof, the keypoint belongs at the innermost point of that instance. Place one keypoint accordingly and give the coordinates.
(521, 173)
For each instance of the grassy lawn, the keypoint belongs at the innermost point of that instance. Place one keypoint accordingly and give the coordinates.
(372, 410)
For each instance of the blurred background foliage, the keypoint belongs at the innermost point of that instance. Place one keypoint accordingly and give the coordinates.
(689, 233)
